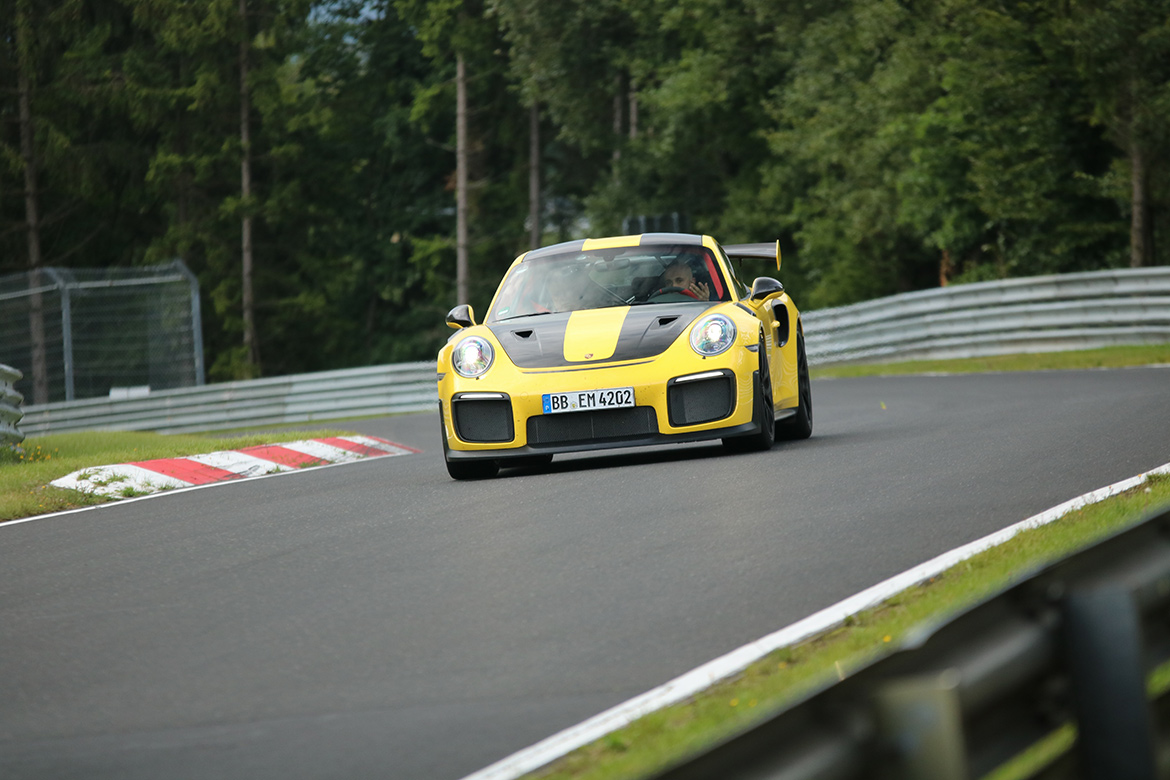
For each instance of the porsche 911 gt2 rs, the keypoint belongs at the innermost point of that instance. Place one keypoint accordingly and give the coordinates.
(618, 342)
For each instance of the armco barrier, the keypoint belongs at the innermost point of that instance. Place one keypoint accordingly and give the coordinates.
(1036, 314)
(1070, 645)
(328, 395)
(10, 413)
(1073, 311)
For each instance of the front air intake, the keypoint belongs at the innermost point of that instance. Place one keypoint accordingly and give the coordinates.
(599, 425)
(700, 400)
(483, 421)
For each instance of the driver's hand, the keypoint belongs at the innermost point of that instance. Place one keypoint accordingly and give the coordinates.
(701, 290)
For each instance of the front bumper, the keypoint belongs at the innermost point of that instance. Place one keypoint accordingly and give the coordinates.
(677, 399)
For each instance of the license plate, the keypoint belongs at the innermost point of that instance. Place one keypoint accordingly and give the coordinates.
(584, 400)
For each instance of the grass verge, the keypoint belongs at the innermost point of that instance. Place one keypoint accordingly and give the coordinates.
(1109, 357)
(25, 473)
(765, 687)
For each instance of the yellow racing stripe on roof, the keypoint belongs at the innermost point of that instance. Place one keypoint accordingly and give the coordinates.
(616, 242)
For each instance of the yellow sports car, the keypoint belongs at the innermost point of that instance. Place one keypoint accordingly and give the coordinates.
(620, 342)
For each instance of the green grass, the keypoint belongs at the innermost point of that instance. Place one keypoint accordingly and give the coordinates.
(1109, 357)
(25, 473)
(666, 736)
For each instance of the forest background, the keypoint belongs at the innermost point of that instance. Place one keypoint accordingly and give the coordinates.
(302, 157)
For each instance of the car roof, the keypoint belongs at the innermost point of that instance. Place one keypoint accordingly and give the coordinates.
(617, 242)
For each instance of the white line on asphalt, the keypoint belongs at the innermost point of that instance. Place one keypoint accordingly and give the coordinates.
(708, 674)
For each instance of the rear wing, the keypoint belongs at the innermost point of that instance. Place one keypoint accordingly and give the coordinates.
(769, 251)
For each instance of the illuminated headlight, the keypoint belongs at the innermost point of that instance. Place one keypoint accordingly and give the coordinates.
(472, 357)
(713, 334)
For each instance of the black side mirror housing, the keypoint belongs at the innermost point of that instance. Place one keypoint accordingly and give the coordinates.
(764, 286)
(462, 316)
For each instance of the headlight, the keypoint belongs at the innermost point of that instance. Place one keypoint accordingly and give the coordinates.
(472, 357)
(713, 334)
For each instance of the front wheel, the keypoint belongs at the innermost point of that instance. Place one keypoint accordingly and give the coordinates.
(765, 414)
(465, 469)
(799, 425)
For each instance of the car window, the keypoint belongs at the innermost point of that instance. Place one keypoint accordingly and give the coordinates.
(604, 278)
(742, 290)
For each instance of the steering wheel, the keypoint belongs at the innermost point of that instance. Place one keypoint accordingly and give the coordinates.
(662, 291)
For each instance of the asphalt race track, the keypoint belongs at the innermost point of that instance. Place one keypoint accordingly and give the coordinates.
(379, 620)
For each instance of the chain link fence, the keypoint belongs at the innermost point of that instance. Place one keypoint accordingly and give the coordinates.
(90, 333)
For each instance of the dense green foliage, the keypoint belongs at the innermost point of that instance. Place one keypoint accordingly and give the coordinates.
(889, 145)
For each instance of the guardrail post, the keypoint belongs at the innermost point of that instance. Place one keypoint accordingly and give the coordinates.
(920, 722)
(196, 319)
(1104, 654)
(64, 288)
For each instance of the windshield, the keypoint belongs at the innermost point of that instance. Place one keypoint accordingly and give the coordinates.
(599, 278)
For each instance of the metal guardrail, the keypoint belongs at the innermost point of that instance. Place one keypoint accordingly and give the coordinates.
(327, 395)
(1036, 314)
(1072, 644)
(1072, 311)
(10, 413)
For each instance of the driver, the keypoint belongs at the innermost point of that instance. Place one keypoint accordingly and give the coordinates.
(680, 275)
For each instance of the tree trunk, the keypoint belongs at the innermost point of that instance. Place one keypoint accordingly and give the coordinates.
(183, 183)
(534, 177)
(633, 110)
(1141, 226)
(617, 121)
(461, 243)
(251, 343)
(36, 312)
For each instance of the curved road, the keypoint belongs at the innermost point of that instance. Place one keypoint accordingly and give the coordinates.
(379, 620)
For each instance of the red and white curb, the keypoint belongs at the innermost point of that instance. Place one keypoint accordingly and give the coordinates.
(697, 680)
(126, 480)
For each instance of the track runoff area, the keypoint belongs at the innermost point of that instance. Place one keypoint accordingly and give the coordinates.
(697, 680)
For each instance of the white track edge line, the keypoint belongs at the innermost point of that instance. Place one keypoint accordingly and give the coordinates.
(161, 493)
(702, 677)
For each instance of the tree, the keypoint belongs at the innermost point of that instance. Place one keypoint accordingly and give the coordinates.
(25, 78)
(248, 301)
(1004, 176)
(224, 66)
(452, 32)
(68, 155)
(1122, 49)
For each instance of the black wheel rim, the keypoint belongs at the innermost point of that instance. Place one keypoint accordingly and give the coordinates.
(766, 387)
(805, 384)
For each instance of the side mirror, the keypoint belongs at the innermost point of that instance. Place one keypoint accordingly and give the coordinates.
(764, 286)
(462, 316)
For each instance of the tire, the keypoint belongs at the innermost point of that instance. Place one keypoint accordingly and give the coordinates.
(765, 414)
(799, 426)
(465, 469)
(472, 469)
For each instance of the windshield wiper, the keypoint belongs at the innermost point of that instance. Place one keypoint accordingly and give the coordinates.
(533, 314)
